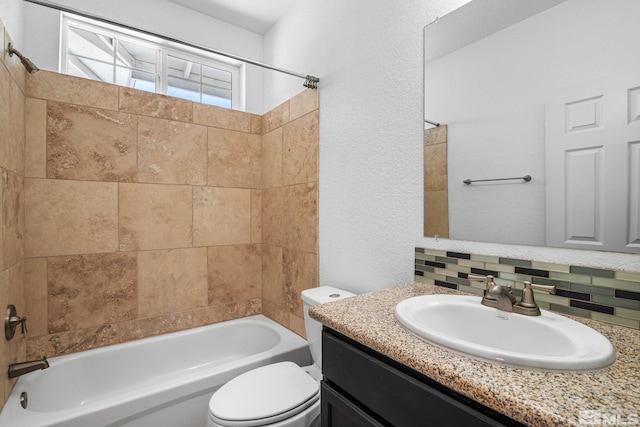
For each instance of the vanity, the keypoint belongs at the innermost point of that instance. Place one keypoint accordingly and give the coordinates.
(377, 373)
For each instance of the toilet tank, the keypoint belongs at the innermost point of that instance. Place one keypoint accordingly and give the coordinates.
(313, 328)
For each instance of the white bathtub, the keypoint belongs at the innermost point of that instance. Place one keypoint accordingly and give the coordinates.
(163, 381)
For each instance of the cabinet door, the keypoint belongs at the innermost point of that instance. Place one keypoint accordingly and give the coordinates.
(395, 397)
(338, 411)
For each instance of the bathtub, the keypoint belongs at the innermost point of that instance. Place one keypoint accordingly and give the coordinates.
(163, 381)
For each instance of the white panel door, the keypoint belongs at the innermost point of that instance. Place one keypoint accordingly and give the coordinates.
(592, 155)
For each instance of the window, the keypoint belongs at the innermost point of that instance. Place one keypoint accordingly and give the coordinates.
(110, 54)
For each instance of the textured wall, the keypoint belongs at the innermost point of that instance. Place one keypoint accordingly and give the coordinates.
(368, 55)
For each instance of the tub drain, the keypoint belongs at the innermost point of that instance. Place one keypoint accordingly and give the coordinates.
(24, 400)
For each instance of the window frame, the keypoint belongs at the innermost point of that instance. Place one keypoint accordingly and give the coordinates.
(163, 47)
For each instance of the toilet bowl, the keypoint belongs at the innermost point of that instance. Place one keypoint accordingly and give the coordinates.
(281, 394)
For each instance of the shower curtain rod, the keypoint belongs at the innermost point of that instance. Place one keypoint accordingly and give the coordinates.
(309, 81)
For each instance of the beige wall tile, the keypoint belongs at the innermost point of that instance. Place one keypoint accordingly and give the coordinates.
(35, 164)
(256, 124)
(12, 218)
(70, 217)
(300, 150)
(72, 341)
(300, 271)
(256, 216)
(274, 208)
(296, 324)
(221, 216)
(303, 103)
(4, 344)
(35, 286)
(171, 280)
(436, 135)
(276, 117)
(152, 326)
(234, 159)
(74, 90)
(90, 144)
(277, 313)
(221, 312)
(5, 115)
(272, 158)
(235, 273)
(11, 123)
(436, 213)
(171, 152)
(224, 118)
(178, 286)
(435, 167)
(302, 217)
(16, 287)
(272, 275)
(155, 105)
(17, 346)
(91, 290)
(154, 216)
(214, 314)
(2, 263)
(14, 150)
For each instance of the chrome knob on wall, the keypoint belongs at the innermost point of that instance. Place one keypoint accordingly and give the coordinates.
(11, 322)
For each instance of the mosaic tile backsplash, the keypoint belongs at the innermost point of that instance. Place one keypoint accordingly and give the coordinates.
(605, 295)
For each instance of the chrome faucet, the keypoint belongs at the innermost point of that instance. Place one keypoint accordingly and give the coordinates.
(500, 297)
(17, 369)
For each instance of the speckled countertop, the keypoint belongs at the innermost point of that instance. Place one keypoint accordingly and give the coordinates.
(535, 398)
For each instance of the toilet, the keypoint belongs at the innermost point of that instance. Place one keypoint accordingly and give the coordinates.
(281, 394)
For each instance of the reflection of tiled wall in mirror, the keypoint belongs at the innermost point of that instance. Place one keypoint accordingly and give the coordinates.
(436, 202)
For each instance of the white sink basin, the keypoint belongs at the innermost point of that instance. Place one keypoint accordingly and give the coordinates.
(549, 341)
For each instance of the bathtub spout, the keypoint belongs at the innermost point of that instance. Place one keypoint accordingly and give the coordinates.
(17, 369)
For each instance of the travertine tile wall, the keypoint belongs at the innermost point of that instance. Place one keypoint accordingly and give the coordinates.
(12, 161)
(144, 213)
(290, 207)
(127, 214)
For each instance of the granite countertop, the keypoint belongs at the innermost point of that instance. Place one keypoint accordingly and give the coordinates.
(536, 398)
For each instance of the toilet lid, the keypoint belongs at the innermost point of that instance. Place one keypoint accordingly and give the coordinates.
(269, 393)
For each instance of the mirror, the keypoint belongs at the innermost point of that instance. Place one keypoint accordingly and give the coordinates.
(491, 68)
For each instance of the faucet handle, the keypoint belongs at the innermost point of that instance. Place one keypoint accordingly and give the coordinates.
(488, 279)
(11, 322)
(527, 293)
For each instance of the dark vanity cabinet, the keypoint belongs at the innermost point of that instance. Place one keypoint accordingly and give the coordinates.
(364, 388)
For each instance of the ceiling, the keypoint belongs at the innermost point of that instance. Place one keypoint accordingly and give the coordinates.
(257, 16)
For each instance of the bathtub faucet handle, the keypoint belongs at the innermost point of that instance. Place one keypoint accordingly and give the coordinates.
(23, 321)
(11, 322)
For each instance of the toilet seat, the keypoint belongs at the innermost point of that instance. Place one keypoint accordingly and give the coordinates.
(264, 396)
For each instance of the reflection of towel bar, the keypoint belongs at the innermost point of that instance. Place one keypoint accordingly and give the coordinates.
(526, 178)
(436, 124)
